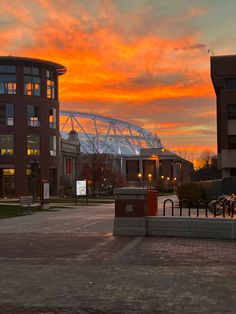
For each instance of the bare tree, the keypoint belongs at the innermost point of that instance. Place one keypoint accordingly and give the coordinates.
(97, 168)
(206, 166)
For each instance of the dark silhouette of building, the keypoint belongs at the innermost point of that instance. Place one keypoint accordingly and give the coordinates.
(223, 74)
(29, 125)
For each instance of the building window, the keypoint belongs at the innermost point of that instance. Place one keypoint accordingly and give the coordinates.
(232, 172)
(231, 111)
(52, 118)
(6, 144)
(53, 145)
(7, 114)
(32, 81)
(28, 171)
(33, 144)
(232, 141)
(8, 184)
(8, 84)
(50, 84)
(230, 83)
(8, 69)
(8, 172)
(33, 118)
(8, 79)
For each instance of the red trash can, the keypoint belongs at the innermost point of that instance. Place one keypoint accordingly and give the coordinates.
(152, 203)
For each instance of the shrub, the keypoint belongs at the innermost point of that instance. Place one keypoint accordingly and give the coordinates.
(191, 190)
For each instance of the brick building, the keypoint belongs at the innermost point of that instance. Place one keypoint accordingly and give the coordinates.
(223, 74)
(29, 125)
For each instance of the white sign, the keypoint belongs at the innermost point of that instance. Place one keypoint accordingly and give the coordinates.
(81, 187)
(46, 191)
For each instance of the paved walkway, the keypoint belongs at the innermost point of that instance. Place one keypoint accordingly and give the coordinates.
(67, 261)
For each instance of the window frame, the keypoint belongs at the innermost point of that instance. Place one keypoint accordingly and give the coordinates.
(32, 81)
(9, 151)
(35, 150)
(34, 122)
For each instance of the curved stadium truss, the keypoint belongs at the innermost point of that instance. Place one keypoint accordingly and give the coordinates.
(106, 135)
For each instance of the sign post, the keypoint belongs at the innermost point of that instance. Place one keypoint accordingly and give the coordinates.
(45, 195)
(81, 189)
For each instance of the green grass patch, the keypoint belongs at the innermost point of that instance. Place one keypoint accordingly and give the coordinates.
(7, 211)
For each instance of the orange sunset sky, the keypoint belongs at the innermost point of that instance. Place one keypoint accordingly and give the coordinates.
(144, 61)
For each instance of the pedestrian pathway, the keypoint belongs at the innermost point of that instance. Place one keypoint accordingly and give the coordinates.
(67, 261)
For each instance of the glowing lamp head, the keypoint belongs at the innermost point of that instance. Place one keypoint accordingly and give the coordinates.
(168, 178)
(139, 175)
(162, 177)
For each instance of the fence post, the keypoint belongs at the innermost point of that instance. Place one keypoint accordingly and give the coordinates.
(200, 202)
(181, 206)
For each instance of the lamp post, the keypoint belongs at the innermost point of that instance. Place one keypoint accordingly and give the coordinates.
(150, 180)
(139, 178)
(34, 165)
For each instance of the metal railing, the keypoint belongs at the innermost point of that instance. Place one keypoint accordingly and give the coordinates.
(219, 208)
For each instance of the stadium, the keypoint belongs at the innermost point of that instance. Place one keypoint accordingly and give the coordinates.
(107, 135)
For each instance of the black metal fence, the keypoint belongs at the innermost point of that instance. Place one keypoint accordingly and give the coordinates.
(217, 208)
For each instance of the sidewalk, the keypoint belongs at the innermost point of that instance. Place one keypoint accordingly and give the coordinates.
(67, 261)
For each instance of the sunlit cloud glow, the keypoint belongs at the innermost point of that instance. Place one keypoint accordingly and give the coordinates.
(142, 61)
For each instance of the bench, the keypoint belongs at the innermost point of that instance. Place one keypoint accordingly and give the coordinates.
(27, 202)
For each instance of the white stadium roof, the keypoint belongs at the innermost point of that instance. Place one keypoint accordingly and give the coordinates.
(107, 135)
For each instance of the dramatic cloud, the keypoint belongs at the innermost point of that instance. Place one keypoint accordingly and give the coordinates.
(141, 61)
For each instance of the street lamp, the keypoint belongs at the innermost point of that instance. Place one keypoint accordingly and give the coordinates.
(150, 179)
(139, 178)
(34, 165)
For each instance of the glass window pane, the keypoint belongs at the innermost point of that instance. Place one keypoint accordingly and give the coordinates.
(2, 88)
(53, 145)
(50, 89)
(32, 86)
(232, 141)
(9, 114)
(27, 70)
(7, 69)
(11, 88)
(37, 91)
(52, 118)
(28, 89)
(28, 171)
(8, 78)
(230, 83)
(7, 84)
(33, 118)
(6, 144)
(8, 172)
(231, 111)
(2, 115)
(35, 71)
(33, 144)
(11, 69)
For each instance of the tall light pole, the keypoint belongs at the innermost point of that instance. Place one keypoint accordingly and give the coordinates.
(34, 165)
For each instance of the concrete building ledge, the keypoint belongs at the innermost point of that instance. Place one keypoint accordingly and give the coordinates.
(217, 228)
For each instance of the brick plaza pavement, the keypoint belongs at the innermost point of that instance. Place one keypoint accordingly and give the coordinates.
(67, 261)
